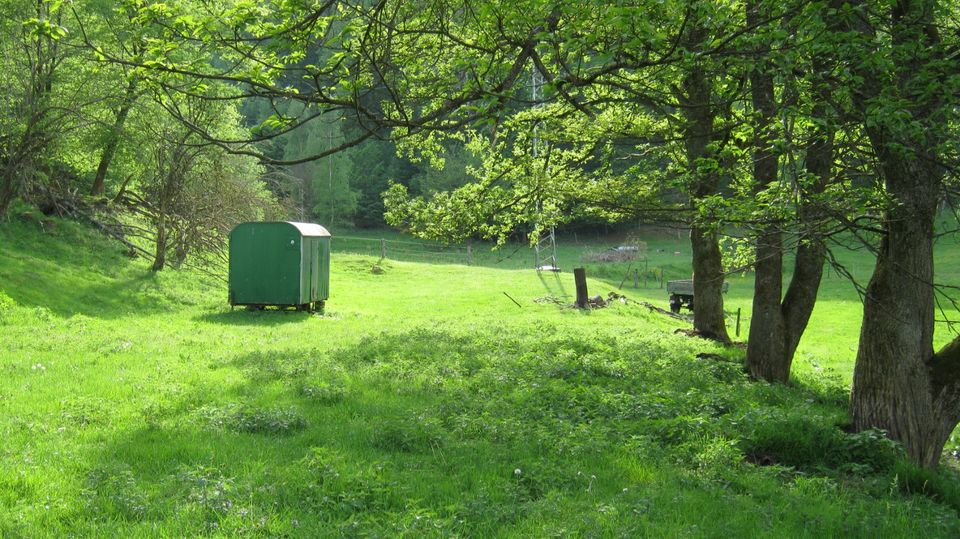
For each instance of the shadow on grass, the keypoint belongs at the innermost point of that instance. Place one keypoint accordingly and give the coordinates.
(385, 432)
(65, 294)
(553, 283)
(469, 431)
(242, 317)
(72, 270)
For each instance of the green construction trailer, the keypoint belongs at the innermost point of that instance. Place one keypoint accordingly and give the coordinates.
(281, 264)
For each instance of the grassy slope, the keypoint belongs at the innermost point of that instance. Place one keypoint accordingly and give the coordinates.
(424, 403)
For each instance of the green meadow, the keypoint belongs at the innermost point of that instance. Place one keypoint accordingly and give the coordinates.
(424, 402)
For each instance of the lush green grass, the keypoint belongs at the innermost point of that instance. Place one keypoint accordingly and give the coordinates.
(829, 345)
(423, 403)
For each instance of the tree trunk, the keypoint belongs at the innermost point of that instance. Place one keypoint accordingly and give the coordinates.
(708, 317)
(160, 258)
(776, 326)
(899, 384)
(801, 294)
(113, 138)
(11, 177)
(892, 385)
(6, 195)
(8, 189)
(766, 343)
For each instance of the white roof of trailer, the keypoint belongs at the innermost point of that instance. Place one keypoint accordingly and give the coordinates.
(310, 229)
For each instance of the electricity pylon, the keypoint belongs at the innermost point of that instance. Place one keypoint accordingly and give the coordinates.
(545, 250)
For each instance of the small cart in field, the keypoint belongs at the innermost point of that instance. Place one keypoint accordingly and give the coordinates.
(681, 293)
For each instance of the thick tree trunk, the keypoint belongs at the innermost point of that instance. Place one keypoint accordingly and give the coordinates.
(113, 138)
(708, 318)
(766, 344)
(899, 384)
(892, 383)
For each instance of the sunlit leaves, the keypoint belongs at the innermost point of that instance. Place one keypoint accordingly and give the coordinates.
(44, 28)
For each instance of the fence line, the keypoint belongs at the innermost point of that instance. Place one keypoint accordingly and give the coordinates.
(405, 250)
(639, 277)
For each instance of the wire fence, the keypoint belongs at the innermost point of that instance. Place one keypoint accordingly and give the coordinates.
(409, 251)
(637, 274)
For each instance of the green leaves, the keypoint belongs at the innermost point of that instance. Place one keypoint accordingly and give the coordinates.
(37, 28)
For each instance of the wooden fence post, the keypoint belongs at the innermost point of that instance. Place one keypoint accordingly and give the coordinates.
(469, 253)
(383, 249)
(580, 280)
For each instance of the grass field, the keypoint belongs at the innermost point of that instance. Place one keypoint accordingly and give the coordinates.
(424, 402)
(829, 345)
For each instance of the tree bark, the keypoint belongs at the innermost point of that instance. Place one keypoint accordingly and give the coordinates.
(7, 192)
(777, 324)
(892, 383)
(113, 138)
(8, 189)
(766, 343)
(899, 384)
(708, 317)
(160, 255)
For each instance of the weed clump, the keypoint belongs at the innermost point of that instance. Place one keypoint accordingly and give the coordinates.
(114, 492)
(251, 420)
(206, 493)
(335, 487)
(408, 436)
(82, 412)
(7, 307)
(942, 486)
(323, 393)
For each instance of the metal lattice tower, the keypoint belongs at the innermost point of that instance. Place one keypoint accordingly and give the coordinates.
(545, 251)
